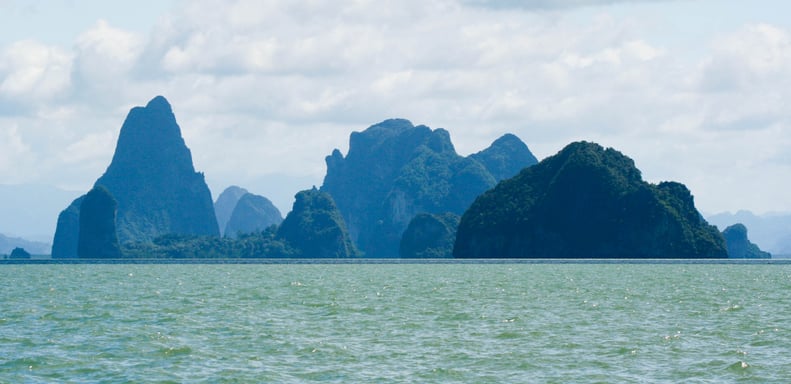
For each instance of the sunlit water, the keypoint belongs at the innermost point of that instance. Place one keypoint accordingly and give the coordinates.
(547, 323)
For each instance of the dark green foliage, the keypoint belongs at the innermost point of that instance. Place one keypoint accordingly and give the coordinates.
(505, 157)
(315, 227)
(67, 232)
(429, 236)
(19, 253)
(586, 202)
(739, 246)
(262, 244)
(97, 235)
(394, 170)
(226, 202)
(252, 213)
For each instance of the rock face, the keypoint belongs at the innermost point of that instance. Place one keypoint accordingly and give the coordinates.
(315, 227)
(739, 246)
(252, 213)
(586, 202)
(97, 235)
(153, 180)
(429, 236)
(226, 202)
(67, 232)
(394, 170)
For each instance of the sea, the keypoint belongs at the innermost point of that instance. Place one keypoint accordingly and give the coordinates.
(548, 322)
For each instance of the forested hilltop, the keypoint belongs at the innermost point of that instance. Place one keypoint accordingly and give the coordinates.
(586, 202)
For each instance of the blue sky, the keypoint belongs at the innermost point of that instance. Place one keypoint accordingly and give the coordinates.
(693, 91)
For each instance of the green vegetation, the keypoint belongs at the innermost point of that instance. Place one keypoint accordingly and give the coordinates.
(395, 170)
(262, 244)
(313, 229)
(429, 236)
(586, 202)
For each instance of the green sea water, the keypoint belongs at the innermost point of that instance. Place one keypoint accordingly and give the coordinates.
(370, 323)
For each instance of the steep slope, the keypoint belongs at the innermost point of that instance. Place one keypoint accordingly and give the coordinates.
(153, 180)
(586, 202)
(225, 204)
(67, 231)
(97, 236)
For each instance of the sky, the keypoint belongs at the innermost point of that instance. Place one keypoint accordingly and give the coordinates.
(694, 91)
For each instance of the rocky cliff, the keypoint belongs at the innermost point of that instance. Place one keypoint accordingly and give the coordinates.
(394, 170)
(67, 231)
(152, 178)
(586, 202)
(739, 246)
(97, 235)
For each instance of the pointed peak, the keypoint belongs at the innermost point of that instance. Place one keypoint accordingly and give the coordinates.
(159, 102)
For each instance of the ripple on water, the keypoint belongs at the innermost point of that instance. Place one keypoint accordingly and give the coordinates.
(395, 323)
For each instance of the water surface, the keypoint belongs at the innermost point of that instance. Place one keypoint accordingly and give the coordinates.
(390, 323)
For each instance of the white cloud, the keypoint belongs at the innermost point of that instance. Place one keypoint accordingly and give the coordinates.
(33, 71)
(16, 157)
(548, 4)
(263, 88)
(104, 57)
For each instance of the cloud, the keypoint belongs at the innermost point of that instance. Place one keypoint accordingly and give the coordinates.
(30, 70)
(746, 79)
(16, 158)
(270, 88)
(103, 59)
(548, 4)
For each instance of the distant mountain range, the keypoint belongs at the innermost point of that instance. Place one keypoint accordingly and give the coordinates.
(7, 244)
(401, 190)
(30, 211)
